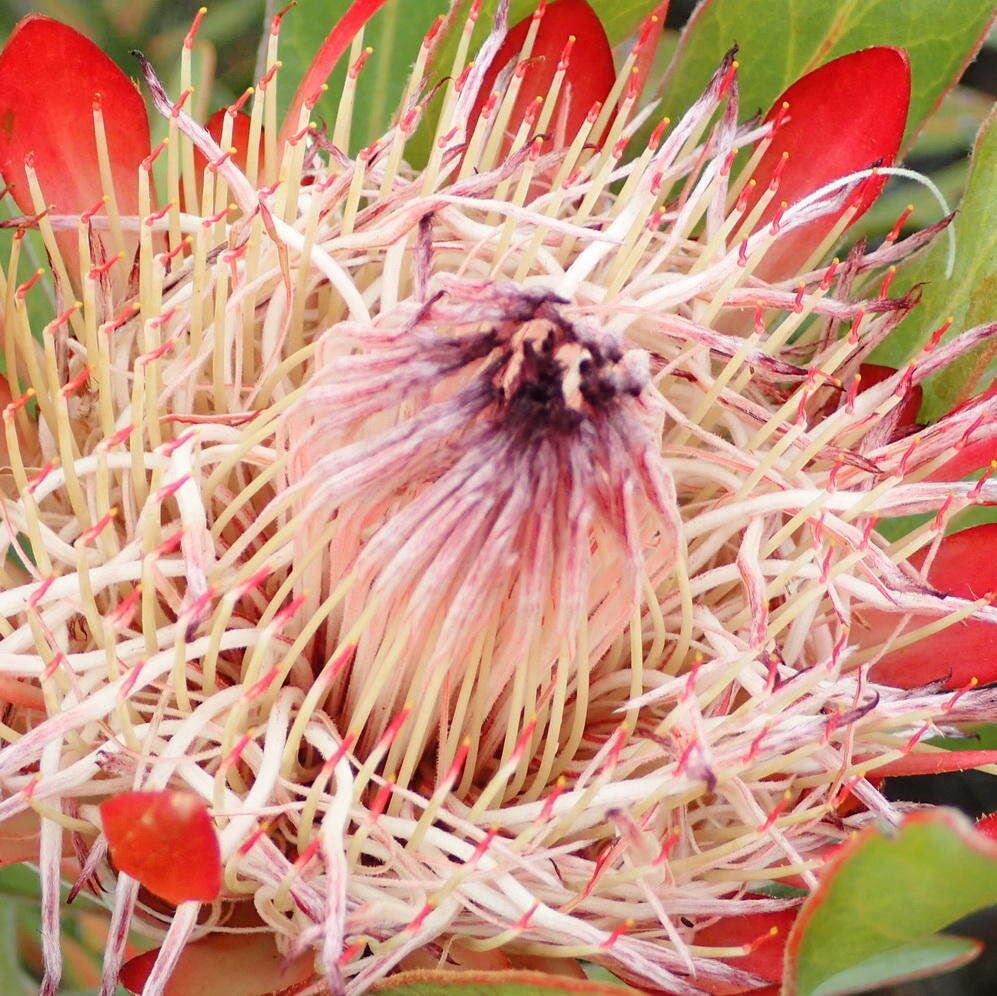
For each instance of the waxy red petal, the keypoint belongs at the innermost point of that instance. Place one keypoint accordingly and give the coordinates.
(589, 78)
(50, 76)
(166, 841)
(850, 803)
(965, 566)
(971, 457)
(844, 117)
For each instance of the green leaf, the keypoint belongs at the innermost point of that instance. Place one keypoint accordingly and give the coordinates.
(621, 18)
(504, 983)
(395, 33)
(969, 296)
(780, 890)
(783, 39)
(982, 737)
(882, 893)
(932, 956)
(19, 881)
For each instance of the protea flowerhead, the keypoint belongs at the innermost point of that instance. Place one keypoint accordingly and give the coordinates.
(471, 563)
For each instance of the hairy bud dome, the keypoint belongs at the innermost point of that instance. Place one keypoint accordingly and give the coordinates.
(477, 467)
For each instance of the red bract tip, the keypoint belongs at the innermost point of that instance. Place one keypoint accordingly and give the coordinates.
(166, 841)
(846, 116)
(50, 76)
(590, 74)
(965, 566)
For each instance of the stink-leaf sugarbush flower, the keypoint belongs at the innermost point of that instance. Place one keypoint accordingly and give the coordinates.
(473, 564)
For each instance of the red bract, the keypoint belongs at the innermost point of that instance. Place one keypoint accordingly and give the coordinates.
(871, 374)
(50, 78)
(166, 841)
(764, 933)
(239, 141)
(965, 566)
(846, 116)
(972, 456)
(850, 803)
(975, 455)
(987, 825)
(589, 77)
(233, 964)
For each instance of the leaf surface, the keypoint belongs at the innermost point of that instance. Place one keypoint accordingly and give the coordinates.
(932, 956)
(883, 893)
(968, 296)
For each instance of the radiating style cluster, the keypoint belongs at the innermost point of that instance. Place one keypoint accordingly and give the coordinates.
(479, 560)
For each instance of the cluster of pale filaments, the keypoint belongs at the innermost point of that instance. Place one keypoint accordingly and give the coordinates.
(425, 524)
